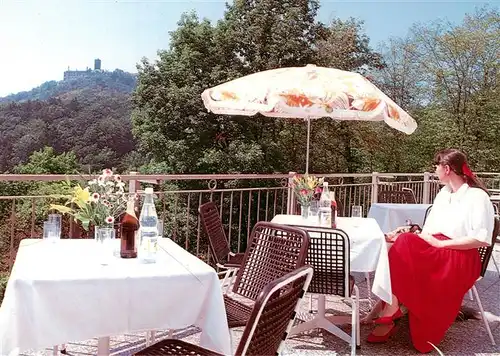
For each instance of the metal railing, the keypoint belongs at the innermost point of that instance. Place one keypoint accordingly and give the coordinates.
(242, 200)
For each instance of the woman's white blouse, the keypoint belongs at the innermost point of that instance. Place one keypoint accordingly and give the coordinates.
(466, 213)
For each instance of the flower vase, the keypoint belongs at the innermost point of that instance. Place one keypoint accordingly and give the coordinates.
(304, 212)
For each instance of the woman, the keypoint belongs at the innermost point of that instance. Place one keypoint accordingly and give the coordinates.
(432, 270)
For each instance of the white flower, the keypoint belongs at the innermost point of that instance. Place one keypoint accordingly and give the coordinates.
(100, 181)
(118, 178)
(95, 197)
(110, 219)
(92, 182)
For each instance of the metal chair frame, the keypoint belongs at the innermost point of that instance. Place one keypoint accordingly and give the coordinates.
(329, 256)
(269, 325)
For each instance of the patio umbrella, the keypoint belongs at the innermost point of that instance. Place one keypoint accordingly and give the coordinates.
(308, 92)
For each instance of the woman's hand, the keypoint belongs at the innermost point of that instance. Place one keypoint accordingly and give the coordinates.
(431, 240)
(393, 235)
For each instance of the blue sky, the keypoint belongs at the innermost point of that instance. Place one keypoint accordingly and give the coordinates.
(39, 39)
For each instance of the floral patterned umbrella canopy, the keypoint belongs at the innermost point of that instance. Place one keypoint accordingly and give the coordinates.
(308, 92)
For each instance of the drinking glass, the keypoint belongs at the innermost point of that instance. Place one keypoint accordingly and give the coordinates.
(357, 214)
(159, 226)
(50, 231)
(357, 211)
(314, 209)
(105, 238)
(57, 220)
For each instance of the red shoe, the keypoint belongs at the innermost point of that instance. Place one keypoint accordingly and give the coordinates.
(386, 320)
(378, 339)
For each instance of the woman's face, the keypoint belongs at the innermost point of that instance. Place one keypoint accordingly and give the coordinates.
(443, 172)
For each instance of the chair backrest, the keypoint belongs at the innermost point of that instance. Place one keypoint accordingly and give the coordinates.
(427, 212)
(409, 190)
(273, 251)
(396, 197)
(212, 224)
(485, 252)
(273, 314)
(329, 256)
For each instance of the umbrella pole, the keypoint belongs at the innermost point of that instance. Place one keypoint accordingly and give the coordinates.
(307, 149)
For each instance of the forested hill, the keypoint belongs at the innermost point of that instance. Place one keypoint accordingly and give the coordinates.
(89, 116)
(117, 80)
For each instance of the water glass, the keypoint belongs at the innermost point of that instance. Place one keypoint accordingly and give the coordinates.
(357, 211)
(159, 226)
(50, 231)
(314, 208)
(57, 220)
(105, 238)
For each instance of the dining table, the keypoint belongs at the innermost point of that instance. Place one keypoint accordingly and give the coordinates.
(390, 216)
(61, 291)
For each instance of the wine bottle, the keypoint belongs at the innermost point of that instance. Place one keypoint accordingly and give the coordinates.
(128, 231)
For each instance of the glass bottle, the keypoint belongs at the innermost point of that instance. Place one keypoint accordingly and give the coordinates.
(325, 207)
(128, 231)
(149, 228)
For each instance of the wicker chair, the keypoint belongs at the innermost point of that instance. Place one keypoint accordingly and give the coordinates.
(273, 251)
(270, 321)
(396, 197)
(486, 254)
(219, 246)
(329, 256)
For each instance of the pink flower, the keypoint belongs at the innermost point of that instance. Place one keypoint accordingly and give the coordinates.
(107, 172)
(110, 220)
(318, 190)
(304, 191)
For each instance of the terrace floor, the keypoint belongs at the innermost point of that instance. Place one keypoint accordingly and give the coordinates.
(463, 338)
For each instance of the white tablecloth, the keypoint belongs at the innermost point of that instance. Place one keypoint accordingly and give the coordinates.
(59, 292)
(368, 249)
(391, 216)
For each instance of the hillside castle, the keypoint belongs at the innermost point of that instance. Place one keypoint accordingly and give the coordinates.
(72, 74)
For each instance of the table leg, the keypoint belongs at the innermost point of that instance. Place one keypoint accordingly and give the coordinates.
(103, 346)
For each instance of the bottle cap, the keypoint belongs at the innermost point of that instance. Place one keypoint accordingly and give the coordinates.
(325, 184)
(148, 190)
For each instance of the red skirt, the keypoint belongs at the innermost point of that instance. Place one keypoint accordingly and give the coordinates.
(431, 283)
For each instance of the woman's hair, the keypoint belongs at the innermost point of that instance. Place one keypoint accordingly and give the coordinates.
(457, 161)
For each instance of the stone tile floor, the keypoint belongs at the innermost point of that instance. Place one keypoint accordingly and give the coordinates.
(463, 338)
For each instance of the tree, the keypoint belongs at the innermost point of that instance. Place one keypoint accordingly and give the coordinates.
(457, 63)
(171, 123)
(446, 76)
(46, 161)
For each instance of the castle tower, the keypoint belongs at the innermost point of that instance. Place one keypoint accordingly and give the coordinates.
(97, 64)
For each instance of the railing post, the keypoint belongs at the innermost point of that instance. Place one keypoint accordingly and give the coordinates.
(427, 188)
(374, 187)
(291, 203)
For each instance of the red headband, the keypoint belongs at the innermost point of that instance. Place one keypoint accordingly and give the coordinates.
(467, 171)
